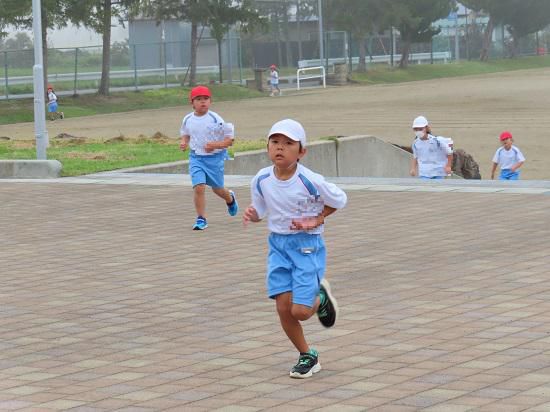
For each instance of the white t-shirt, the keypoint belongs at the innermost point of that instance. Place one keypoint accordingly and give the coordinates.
(431, 155)
(303, 195)
(507, 158)
(274, 77)
(203, 129)
(52, 98)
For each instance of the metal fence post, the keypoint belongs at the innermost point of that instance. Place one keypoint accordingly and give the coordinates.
(239, 44)
(135, 68)
(75, 70)
(165, 67)
(6, 74)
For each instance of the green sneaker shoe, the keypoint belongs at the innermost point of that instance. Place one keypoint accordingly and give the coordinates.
(328, 309)
(308, 364)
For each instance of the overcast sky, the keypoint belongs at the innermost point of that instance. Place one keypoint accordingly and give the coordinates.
(79, 37)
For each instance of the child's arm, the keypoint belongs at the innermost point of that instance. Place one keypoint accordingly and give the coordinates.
(223, 144)
(184, 144)
(250, 215)
(517, 166)
(449, 165)
(493, 170)
(414, 166)
(313, 222)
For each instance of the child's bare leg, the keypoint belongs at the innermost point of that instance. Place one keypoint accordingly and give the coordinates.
(290, 316)
(224, 194)
(199, 200)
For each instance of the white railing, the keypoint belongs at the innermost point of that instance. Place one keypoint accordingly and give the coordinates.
(322, 75)
(384, 58)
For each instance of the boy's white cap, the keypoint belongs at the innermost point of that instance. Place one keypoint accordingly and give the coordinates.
(420, 121)
(291, 129)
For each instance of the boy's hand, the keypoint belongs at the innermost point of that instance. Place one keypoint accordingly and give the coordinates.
(448, 169)
(413, 172)
(210, 147)
(250, 215)
(184, 145)
(307, 223)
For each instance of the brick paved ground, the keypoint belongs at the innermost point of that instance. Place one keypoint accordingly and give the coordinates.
(108, 301)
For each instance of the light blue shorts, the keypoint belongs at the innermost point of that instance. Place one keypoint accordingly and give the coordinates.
(432, 177)
(296, 263)
(52, 107)
(208, 170)
(507, 174)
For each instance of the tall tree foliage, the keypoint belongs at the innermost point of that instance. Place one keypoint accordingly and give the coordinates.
(523, 17)
(223, 14)
(490, 7)
(18, 13)
(193, 11)
(97, 15)
(520, 17)
(360, 17)
(414, 21)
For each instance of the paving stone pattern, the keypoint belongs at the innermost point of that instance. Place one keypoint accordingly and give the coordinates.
(109, 301)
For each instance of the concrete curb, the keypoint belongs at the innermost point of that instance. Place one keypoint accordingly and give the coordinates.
(345, 156)
(30, 169)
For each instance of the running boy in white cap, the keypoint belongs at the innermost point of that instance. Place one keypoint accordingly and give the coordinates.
(296, 202)
(432, 155)
(208, 137)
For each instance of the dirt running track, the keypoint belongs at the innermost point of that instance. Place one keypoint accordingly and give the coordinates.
(472, 110)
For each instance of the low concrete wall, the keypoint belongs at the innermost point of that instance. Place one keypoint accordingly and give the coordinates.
(354, 156)
(30, 169)
(368, 156)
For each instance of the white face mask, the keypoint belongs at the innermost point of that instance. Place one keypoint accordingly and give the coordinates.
(419, 134)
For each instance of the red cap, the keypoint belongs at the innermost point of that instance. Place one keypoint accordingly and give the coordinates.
(505, 135)
(199, 91)
(50, 87)
(272, 66)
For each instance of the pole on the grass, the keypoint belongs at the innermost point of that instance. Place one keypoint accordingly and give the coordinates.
(40, 131)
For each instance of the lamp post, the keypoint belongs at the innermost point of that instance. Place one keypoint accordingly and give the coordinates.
(321, 35)
(40, 132)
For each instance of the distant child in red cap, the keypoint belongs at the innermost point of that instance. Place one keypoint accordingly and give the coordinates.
(208, 137)
(508, 157)
(274, 81)
(53, 104)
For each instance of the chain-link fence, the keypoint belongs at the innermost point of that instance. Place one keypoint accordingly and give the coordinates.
(166, 63)
(132, 67)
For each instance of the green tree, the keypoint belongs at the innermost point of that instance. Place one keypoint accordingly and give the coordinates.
(20, 41)
(193, 11)
(414, 21)
(523, 17)
(18, 13)
(494, 9)
(97, 15)
(226, 13)
(361, 18)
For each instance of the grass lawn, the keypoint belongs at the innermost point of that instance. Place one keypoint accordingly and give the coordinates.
(84, 156)
(21, 110)
(380, 74)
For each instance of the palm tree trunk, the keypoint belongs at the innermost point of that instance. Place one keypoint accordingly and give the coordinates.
(219, 42)
(404, 62)
(106, 55)
(194, 47)
(486, 44)
(362, 67)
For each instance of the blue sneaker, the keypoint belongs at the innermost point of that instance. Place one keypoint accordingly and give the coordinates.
(200, 224)
(233, 208)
